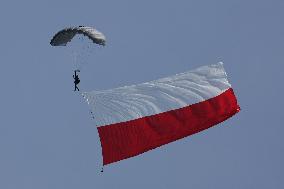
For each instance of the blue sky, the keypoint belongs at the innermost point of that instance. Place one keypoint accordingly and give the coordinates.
(47, 139)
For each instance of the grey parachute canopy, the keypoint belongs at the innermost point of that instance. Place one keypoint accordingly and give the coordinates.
(66, 35)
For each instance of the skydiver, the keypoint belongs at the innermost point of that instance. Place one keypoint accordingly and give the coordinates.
(76, 80)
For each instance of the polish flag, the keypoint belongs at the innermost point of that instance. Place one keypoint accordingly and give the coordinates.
(134, 119)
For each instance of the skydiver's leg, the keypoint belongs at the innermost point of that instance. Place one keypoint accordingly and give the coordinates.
(77, 88)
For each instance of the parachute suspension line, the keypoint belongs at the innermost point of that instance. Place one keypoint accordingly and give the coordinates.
(80, 50)
(75, 57)
(85, 50)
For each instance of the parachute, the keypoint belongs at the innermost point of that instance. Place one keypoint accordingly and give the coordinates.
(66, 35)
(82, 41)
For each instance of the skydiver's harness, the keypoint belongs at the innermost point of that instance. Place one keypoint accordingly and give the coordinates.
(76, 77)
(77, 80)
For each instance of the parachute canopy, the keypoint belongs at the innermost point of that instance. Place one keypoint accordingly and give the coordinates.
(66, 35)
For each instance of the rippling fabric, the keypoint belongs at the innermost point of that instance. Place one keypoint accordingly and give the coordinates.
(136, 101)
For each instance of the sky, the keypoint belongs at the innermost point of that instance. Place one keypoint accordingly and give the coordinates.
(48, 139)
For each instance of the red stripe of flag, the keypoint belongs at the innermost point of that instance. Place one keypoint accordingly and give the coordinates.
(126, 139)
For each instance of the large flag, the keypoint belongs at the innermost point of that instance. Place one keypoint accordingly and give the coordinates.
(135, 119)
